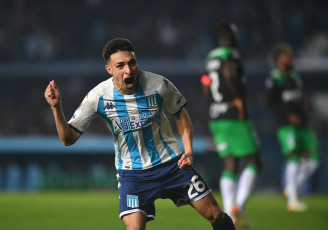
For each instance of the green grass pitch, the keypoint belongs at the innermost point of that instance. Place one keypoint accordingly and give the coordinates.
(99, 210)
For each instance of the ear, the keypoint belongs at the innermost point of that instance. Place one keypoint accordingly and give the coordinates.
(109, 69)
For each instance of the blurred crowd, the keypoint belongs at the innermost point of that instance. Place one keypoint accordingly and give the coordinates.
(49, 30)
(46, 31)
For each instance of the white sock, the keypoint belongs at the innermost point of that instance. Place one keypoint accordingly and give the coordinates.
(291, 181)
(306, 170)
(228, 192)
(245, 186)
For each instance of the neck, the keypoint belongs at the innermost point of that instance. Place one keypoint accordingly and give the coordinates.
(227, 42)
(284, 69)
(128, 91)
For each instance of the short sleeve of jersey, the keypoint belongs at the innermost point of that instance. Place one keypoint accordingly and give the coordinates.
(173, 99)
(85, 113)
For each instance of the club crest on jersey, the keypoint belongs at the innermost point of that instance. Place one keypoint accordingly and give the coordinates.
(132, 201)
(152, 101)
(110, 106)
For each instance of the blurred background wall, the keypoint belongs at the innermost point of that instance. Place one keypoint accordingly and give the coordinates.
(63, 40)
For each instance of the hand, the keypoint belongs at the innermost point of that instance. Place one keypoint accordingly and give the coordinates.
(186, 161)
(238, 103)
(52, 94)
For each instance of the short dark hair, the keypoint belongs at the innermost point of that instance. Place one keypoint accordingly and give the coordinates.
(225, 31)
(115, 45)
(277, 50)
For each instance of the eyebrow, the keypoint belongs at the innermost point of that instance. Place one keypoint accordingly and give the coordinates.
(119, 63)
(122, 62)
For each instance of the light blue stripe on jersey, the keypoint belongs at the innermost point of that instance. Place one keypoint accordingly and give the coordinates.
(102, 112)
(167, 147)
(123, 114)
(147, 131)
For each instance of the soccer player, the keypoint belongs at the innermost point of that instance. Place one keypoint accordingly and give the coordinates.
(223, 84)
(286, 100)
(149, 161)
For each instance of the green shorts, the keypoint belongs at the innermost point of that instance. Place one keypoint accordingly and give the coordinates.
(234, 137)
(297, 140)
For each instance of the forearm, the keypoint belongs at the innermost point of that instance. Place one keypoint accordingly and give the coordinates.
(185, 131)
(65, 133)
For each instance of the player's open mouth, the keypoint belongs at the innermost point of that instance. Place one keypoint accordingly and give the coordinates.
(129, 82)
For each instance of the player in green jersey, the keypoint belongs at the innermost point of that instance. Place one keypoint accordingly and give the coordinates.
(286, 100)
(224, 86)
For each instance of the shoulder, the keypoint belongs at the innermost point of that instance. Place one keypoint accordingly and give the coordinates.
(297, 78)
(152, 81)
(103, 87)
(220, 55)
(223, 53)
(99, 90)
(277, 76)
(149, 76)
(274, 73)
(272, 79)
(294, 74)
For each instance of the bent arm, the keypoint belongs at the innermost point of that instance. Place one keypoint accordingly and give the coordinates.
(185, 131)
(67, 135)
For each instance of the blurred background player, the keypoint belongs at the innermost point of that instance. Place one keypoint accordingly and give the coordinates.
(223, 84)
(286, 100)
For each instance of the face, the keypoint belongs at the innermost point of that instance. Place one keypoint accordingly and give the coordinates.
(123, 66)
(285, 61)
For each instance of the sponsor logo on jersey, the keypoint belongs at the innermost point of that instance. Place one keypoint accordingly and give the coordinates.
(222, 146)
(132, 201)
(218, 108)
(109, 106)
(135, 122)
(292, 95)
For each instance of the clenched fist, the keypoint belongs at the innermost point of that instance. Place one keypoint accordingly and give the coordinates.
(52, 94)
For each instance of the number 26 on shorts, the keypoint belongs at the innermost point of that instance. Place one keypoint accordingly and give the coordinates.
(197, 184)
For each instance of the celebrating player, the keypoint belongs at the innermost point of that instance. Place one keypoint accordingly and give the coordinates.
(286, 100)
(149, 161)
(224, 87)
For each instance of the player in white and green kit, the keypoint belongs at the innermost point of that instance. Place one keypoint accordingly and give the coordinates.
(286, 100)
(224, 86)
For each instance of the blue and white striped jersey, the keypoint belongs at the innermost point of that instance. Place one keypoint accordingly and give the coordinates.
(142, 134)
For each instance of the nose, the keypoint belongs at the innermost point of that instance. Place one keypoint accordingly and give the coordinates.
(127, 69)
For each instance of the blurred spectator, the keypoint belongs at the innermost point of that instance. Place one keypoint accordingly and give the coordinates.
(77, 30)
(49, 30)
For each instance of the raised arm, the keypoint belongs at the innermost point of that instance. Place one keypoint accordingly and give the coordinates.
(185, 131)
(67, 135)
